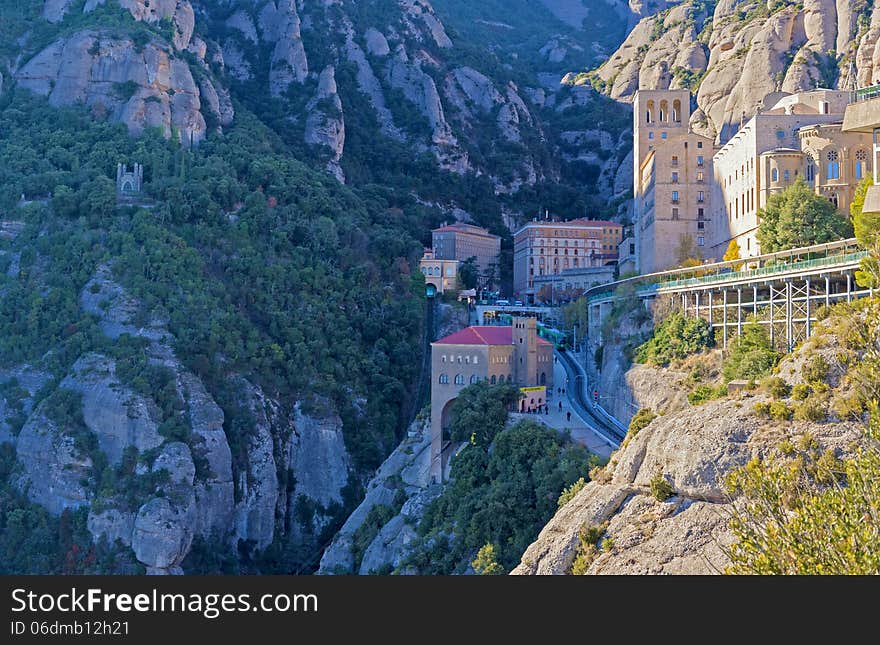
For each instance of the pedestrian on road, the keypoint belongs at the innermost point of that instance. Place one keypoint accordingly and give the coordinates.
(546, 409)
(560, 406)
(568, 416)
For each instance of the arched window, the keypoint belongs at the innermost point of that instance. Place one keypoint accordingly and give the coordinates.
(443, 358)
(861, 163)
(444, 379)
(543, 378)
(474, 379)
(476, 359)
(834, 200)
(774, 175)
(833, 169)
(459, 379)
(493, 380)
(649, 117)
(664, 111)
(676, 111)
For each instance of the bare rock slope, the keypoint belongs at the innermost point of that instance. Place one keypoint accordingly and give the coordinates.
(735, 52)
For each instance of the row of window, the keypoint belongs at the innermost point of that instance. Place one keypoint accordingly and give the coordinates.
(701, 161)
(435, 271)
(701, 177)
(701, 196)
(458, 359)
(663, 113)
(459, 379)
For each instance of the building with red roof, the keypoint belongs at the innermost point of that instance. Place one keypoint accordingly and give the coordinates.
(514, 354)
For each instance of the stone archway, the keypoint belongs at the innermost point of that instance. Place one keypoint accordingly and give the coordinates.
(446, 416)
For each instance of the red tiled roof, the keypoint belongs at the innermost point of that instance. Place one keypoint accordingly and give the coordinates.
(488, 335)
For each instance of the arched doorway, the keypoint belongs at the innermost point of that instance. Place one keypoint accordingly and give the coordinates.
(446, 418)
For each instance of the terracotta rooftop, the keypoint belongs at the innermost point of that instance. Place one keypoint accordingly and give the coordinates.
(487, 335)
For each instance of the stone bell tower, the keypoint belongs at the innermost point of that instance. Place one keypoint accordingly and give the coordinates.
(525, 351)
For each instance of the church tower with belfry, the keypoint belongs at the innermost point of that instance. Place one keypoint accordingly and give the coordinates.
(672, 181)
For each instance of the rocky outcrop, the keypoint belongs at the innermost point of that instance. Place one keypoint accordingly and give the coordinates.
(325, 125)
(280, 24)
(419, 88)
(55, 10)
(258, 482)
(105, 299)
(404, 474)
(693, 449)
(53, 469)
(118, 417)
(162, 536)
(141, 87)
(740, 54)
(318, 456)
(21, 384)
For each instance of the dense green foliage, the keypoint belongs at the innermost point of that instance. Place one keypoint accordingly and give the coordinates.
(468, 273)
(260, 267)
(865, 225)
(486, 562)
(503, 494)
(640, 421)
(808, 512)
(798, 217)
(568, 494)
(751, 356)
(480, 412)
(675, 338)
(867, 232)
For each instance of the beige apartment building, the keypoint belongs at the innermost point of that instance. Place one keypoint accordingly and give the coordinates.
(862, 116)
(461, 241)
(571, 283)
(513, 354)
(798, 135)
(547, 248)
(442, 275)
(672, 181)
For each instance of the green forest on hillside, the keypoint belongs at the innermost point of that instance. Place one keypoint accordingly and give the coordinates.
(261, 267)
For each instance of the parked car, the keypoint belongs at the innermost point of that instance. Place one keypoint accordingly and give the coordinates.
(503, 303)
(518, 303)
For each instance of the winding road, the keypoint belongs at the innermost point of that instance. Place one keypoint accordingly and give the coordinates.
(579, 399)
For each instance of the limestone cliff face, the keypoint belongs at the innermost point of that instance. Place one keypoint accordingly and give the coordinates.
(142, 82)
(735, 52)
(693, 448)
(329, 67)
(187, 490)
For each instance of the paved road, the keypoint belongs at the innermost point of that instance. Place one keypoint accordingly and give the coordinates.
(580, 401)
(582, 429)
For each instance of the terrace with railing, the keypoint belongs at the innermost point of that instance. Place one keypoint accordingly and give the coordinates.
(794, 261)
(865, 94)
